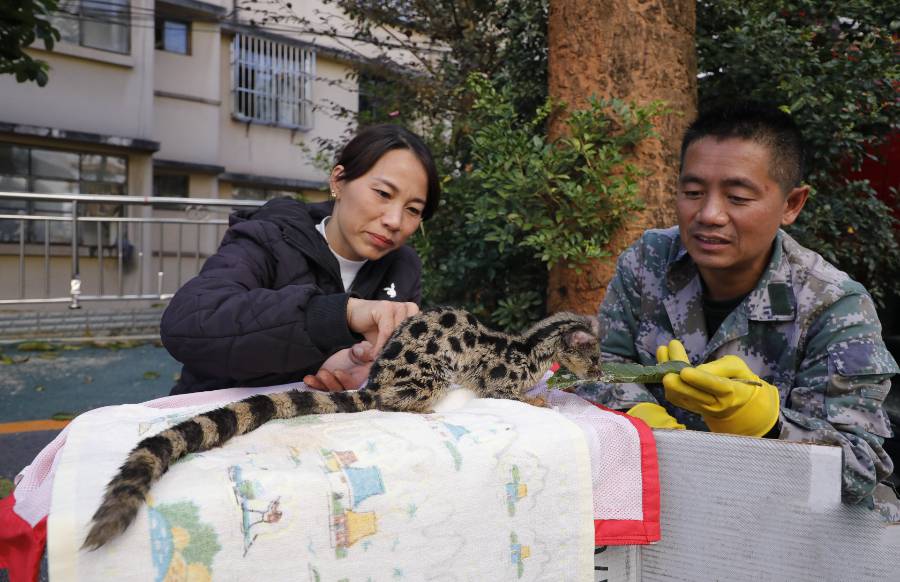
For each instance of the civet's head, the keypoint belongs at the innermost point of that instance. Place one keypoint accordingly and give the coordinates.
(579, 349)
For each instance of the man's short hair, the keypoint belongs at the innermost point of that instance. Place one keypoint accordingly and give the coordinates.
(762, 123)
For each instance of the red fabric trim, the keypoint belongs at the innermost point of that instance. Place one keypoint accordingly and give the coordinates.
(21, 546)
(613, 532)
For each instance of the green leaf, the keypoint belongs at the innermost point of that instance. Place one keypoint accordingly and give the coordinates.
(63, 415)
(6, 487)
(620, 373)
(36, 347)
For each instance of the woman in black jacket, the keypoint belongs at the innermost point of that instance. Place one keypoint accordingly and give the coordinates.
(302, 292)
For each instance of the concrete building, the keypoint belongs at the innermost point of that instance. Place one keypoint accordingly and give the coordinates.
(180, 98)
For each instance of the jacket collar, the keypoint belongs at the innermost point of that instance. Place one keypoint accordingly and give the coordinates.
(773, 297)
(297, 222)
(771, 300)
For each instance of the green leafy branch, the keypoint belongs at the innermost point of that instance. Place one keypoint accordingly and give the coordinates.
(623, 372)
(22, 22)
(563, 199)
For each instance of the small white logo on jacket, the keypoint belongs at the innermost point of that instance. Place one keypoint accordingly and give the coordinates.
(391, 291)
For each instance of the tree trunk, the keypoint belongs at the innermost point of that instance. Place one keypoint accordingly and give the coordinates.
(635, 50)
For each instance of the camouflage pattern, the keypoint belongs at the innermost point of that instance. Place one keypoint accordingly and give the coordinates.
(887, 504)
(806, 328)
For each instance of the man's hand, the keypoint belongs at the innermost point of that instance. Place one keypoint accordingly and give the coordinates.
(727, 405)
(346, 369)
(376, 320)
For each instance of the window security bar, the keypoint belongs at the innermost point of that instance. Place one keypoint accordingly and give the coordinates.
(272, 82)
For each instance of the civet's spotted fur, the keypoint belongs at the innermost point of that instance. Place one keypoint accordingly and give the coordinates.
(414, 370)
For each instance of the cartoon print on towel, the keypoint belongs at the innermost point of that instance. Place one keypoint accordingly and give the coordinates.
(256, 513)
(182, 547)
(350, 487)
(160, 423)
(518, 553)
(515, 490)
(450, 435)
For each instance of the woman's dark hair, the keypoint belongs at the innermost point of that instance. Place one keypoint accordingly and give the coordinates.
(364, 150)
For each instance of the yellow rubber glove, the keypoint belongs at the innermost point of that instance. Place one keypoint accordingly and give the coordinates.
(654, 415)
(674, 352)
(726, 405)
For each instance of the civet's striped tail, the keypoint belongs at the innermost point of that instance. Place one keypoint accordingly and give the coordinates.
(153, 456)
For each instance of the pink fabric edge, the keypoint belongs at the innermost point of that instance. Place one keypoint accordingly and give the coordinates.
(614, 532)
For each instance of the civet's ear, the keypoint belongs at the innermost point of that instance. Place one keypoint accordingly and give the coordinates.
(579, 339)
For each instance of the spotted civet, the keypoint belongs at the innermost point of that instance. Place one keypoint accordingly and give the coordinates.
(414, 371)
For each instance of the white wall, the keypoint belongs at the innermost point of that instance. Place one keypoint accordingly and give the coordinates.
(89, 90)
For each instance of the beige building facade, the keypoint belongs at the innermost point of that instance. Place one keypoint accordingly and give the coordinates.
(174, 98)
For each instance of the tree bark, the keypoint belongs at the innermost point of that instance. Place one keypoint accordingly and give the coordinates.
(635, 50)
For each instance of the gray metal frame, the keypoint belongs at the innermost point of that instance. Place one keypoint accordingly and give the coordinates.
(197, 212)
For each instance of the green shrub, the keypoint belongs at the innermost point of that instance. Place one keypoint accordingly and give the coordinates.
(525, 203)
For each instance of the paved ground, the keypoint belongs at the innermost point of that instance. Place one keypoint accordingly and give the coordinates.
(72, 378)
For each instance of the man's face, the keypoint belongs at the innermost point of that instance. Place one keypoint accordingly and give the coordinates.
(729, 209)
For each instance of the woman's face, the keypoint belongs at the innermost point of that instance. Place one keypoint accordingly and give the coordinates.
(378, 211)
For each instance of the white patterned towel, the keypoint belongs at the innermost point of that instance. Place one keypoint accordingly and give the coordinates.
(493, 490)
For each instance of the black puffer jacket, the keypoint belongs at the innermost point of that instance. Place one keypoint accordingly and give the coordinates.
(269, 307)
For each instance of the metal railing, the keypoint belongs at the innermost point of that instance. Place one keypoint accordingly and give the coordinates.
(127, 239)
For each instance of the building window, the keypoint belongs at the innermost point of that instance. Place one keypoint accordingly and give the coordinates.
(50, 171)
(99, 24)
(173, 36)
(272, 82)
(171, 186)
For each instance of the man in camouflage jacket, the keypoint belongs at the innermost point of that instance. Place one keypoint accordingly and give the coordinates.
(807, 331)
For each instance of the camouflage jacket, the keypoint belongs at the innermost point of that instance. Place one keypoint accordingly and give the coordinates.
(806, 328)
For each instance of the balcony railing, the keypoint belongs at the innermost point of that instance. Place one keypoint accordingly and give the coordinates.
(71, 248)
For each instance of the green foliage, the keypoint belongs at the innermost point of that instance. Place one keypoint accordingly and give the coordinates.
(525, 203)
(833, 66)
(514, 202)
(6, 487)
(448, 40)
(506, 42)
(419, 52)
(506, 288)
(561, 199)
(22, 22)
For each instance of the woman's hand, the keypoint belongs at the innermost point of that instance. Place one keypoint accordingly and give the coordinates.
(346, 369)
(376, 320)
